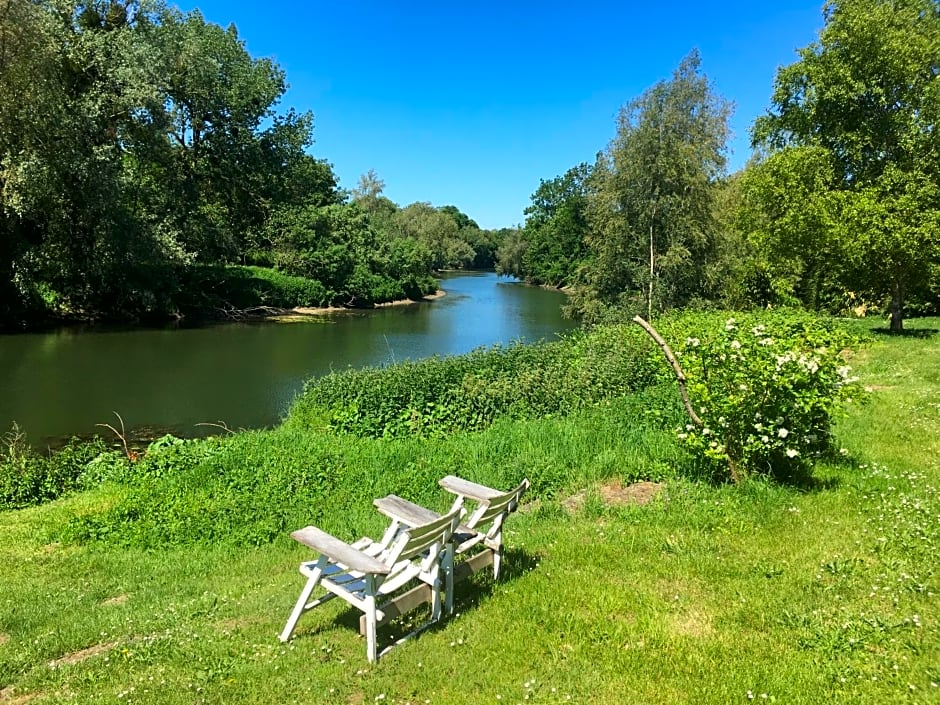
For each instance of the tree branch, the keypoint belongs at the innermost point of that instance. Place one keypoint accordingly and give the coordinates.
(680, 375)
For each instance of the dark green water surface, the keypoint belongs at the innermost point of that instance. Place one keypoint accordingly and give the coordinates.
(245, 374)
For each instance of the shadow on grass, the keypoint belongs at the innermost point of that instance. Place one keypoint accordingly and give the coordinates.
(922, 333)
(468, 594)
(805, 480)
(802, 479)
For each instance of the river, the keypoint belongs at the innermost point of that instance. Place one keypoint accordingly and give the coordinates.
(244, 375)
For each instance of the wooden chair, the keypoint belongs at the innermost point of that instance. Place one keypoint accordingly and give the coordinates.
(482, 529)
(367, 571)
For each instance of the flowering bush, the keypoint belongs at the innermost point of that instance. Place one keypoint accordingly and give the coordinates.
(766, 392)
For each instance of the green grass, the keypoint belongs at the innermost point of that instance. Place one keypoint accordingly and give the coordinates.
(708, 594)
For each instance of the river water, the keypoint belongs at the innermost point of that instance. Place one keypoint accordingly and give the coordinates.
(245, 375)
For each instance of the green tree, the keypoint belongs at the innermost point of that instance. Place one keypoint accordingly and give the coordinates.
(556, 228)
(791, 217)
(510, 255)
(889, 229)
(225, 163)
(867, 92)
(651, 205)
(437, 231)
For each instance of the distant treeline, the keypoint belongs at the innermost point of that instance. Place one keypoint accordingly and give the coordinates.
(144, 164)
(838, 210)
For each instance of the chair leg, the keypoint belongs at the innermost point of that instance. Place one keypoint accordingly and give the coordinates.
(449, 579)
(371, 619)
(436, 590)
(497, 558)
(301, 605)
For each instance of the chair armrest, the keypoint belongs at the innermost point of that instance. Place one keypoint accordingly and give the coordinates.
(339, 551)
(408, 513)
(471, 490)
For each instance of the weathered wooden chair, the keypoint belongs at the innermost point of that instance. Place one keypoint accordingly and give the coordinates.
(482, 531)
(367, 571)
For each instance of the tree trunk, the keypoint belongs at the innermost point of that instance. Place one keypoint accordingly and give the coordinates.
(897, 310)
(649, 295)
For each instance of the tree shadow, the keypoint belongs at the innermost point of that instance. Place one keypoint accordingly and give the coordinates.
(804, 480)
(801, 478)
(922, 333)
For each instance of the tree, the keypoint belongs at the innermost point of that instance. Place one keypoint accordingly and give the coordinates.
(437, 231)
(556, 227)
(790, 217)
(867, 91)
(225, 162)
(650, 210)
(889, 227)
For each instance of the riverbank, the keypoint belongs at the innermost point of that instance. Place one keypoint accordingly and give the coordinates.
(304, 313)
(709, 593)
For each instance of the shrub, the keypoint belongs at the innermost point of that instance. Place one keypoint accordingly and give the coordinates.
(468, 392)
(28, 478)
(241, 287)
(766, 388)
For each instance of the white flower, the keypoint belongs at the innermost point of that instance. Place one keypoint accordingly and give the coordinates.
(692, 342)
(764, 439)
(783, 433)
(792, 453)
(735, 345)
(730, 324)
(767, 341)
(758, 330)
(706, 431)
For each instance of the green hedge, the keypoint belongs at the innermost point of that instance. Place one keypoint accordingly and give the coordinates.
(439, 396)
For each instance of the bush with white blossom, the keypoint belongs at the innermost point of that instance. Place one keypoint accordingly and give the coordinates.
(766, 388)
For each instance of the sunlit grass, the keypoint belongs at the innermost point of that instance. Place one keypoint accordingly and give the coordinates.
(709, 594)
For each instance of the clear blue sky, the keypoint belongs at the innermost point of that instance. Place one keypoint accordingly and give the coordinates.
(472, 103)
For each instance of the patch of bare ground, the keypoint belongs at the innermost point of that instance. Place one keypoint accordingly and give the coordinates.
(9, 697)
(614, 493)
(692, 623)
(116, 600)
(79, 656)
(4, 638)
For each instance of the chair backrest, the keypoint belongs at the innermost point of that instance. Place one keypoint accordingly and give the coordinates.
(496, 509)
(431, 537)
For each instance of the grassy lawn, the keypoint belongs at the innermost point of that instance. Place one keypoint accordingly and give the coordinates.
(708, 594)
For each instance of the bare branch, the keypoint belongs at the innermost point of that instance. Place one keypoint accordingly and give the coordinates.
(680, 375)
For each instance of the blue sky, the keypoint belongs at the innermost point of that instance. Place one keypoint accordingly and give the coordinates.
(471, 104)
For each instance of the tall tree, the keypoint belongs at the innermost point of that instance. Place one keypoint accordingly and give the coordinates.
(650, 212)
(867, 91)
(556, 227)
(791, 218)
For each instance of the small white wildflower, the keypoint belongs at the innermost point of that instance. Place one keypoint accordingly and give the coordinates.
(764, 439)
(767, 341)
(783, 433)
(706, 431)
(735, 345)
(792, 452)
(730, 324)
